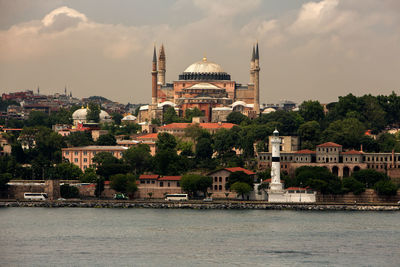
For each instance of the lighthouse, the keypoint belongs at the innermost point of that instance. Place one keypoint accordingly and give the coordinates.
(276, 184)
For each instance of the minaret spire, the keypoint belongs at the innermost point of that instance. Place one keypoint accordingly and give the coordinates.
(161, 66)
(253, 58)
(257, 81)
(154, 78)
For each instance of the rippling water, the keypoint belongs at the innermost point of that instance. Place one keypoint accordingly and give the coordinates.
(159, 237)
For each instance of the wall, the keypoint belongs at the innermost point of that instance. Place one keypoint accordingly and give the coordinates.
(369, 196)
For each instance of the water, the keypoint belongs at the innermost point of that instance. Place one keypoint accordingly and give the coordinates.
(159, 237)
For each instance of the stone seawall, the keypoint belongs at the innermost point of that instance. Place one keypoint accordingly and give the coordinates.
(201, 206)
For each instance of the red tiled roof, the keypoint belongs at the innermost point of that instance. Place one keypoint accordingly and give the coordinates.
(240, 169)
(329, 144)
(148, 176)
(352, 152)
(207, 125)
(148, 136)
(305, 151)
(170, 178)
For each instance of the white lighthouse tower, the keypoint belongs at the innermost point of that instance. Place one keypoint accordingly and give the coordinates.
(276, 192)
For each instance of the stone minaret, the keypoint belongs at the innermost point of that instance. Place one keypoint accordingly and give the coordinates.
(154, 79)
(257, 81)
(161, 66)
(252, 64)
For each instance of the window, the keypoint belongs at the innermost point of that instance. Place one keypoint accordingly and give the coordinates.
(169, 184)
(142, 182)
(76, 153)
(75, 160)
(94, 152)
(215, 179)
(84, 167)
(220, 179)
(147, 182)
(215, 187)
(85, 160)
(67, 153)
(161, 184)
(220, 187)
(177, 183)
(153, 182)
(85, 153)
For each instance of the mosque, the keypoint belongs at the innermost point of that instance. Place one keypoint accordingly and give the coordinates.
(203, 85)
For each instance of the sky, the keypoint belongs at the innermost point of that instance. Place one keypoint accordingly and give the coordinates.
(309, 50)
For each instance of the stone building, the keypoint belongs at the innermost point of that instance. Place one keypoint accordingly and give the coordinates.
(203, 85)
(339, 162)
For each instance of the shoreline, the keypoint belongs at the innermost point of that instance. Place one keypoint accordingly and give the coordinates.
(199, 205)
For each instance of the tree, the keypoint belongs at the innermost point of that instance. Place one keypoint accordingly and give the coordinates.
(119, 182)
(138, 157)
(190, 113)
(106, 140)
(310, 134)
(347, 132)
(117, 117)
(89, 176)
(387, 142)
(369, 177)
(66, 171)
(224, 141)
(352, 185)
(4, 179)
(236, 118)
(93, 113)
(194, 131)
(204, 149)
(318, 178)
(386, 188)
(241, 188)
(67, 191)
(99, 186)
(170, 116)
(311, 111)
(241, 177)
(192, 183)
(76, 139)
(165, 141)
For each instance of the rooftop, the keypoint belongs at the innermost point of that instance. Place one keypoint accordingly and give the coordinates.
(207, 125)
(329, 144)
(97, 148)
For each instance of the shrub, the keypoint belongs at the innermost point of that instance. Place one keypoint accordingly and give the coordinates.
(386, 188)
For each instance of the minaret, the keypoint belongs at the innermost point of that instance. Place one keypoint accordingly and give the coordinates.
(252, 64)
(154, 79)
(276, 184)
(161, 66)
(38, 90)
(257, 81)
(65, 90)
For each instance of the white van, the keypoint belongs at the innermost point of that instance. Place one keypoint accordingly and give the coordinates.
(176, 197)
(35, 196)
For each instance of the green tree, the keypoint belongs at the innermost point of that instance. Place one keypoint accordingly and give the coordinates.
(190, 113)
(4, 179)
(165, 141)
(312, 111)
(241, 188)
(67, 191)
(138, 157)
(241, 177)
(194, 132)
(237, 118)
(347, 132)
(352, 185)
(204, 149)
(310, 134)
(89, 176)
(387, 142)
(170, 116)
(106, 140)
(369, 177)
(93, 113)
(386, 188)
(76, 139)
(117, 117)
(66, 171)
(192, 183)
(99, 186)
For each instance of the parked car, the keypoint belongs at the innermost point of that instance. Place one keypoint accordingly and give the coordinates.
(208, 199)
(120, 196)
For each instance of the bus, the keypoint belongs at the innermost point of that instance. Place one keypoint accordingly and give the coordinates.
(176, 197)
(35, 196)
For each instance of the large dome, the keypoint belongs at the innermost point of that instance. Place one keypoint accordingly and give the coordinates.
(204, 66)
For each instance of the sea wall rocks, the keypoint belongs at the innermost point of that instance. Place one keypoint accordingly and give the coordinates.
(201, 206)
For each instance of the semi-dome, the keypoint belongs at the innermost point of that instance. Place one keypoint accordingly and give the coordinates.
(204, 66)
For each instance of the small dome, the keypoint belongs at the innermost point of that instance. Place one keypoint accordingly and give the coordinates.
(79, 114)
(129, 118)
(204, 66)
(276, 133)
(104, 115)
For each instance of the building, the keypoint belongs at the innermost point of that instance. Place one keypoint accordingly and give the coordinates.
(83, 156)
(220, 178)
(339, 162)
(203, 85)
(178, 129)
(80, 116)
(158, 186)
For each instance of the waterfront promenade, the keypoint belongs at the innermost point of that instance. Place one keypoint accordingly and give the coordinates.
(200, 205)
